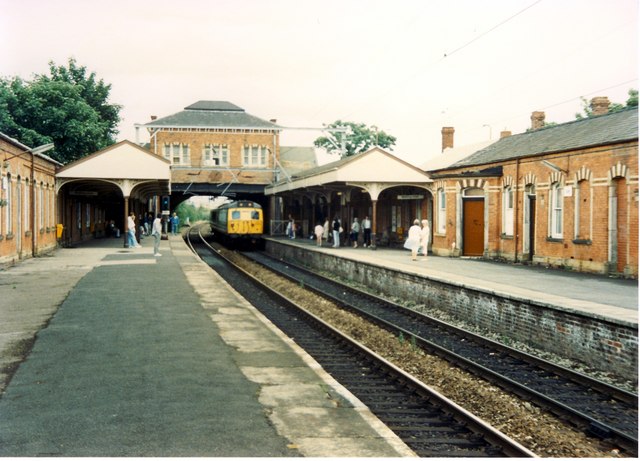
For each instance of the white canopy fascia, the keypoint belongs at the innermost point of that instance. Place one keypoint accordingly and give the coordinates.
(375, 166)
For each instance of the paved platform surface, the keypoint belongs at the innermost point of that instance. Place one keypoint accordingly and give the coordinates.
(592, 294)
(143, 356)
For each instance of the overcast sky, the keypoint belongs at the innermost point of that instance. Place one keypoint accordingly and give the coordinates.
(409, 67)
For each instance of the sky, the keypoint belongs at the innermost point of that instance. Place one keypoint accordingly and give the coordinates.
(408, 67)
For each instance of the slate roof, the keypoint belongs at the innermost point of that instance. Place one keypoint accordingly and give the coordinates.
(212, 114)
(295, 159)
(580, 134)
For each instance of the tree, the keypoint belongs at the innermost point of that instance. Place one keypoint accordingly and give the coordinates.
(68, 108)
(632, 101)
(358, 138)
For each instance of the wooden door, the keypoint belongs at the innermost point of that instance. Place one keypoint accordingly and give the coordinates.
(473, 230)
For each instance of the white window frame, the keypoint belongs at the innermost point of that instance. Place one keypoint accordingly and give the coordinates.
(442, 210)
(177, 153)
(27, 207)
(556, 209)
(8, 207)
(254, 155)
(507, 210)
(215, 154)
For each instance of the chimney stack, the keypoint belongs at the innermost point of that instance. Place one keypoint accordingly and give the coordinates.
(447, 137)
(537, 120)
(505, 134)
(154, 117)
(600, 105)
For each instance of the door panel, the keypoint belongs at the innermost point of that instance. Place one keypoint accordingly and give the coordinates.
(473, 232)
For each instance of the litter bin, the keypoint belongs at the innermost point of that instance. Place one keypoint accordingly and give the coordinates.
(59, 228)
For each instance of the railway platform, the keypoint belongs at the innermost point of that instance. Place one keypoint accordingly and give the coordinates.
(109, 351)
(592, 294)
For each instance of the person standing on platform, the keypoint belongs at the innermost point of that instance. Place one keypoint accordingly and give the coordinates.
(336, 232)
(291, 228)
(425, 234)
(319, 231)
(156, 232)
(325, 233)
(131, 231)
(355, 231)
(413, 240)
(175, 223)
(366, 231)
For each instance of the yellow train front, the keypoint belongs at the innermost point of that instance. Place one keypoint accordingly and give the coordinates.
(239, 223)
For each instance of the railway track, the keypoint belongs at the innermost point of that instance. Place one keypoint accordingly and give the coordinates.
(430, 424)
(597, 408)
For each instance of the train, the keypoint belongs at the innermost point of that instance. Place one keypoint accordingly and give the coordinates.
(239, 223)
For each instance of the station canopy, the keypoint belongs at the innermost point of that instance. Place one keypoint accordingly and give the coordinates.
(374, 171)
(124, 166)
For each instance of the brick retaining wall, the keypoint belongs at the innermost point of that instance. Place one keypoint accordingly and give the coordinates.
(609, 346)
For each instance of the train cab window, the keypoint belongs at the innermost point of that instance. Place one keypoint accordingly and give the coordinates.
(255, 215)
(235, 214)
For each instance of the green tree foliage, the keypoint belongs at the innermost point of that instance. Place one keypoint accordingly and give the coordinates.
(189, 210)
(359, 138)
(68, 107)
(632, 101)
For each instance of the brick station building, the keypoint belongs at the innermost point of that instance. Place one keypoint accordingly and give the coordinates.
(216, 148)
(562, 196)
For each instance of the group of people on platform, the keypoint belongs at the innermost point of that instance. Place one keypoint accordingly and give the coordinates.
(149, 226)
(417, 238)
(332, 232)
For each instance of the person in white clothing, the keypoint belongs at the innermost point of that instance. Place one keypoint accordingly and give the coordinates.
(425, 234)
(156, 232)
(413, 239)
(366, 230)
(131, 231)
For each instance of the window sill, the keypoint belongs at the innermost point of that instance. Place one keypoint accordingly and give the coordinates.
(506, 237)
(554, 240)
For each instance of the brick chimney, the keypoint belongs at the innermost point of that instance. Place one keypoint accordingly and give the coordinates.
(505, 134)
(447, 137)
(537, 120)
(154, 117)
(600, 105)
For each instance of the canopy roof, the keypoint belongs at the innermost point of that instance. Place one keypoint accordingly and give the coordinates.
(125, 165)
(373, 170)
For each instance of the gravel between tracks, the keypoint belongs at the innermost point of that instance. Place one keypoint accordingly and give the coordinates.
(535, 429)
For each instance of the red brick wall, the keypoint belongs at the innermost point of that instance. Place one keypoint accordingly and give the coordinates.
(584, 244)
(36, 234)
(235, 140)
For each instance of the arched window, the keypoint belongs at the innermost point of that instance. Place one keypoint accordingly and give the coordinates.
(556, 210)
(507, 210)
(442, 211)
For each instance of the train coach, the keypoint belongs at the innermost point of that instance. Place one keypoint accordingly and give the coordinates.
(238, 223)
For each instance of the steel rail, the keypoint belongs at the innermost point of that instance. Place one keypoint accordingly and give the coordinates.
(508, 446)
(585, 422)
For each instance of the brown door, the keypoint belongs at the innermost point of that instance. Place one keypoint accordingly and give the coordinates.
(473, 231)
